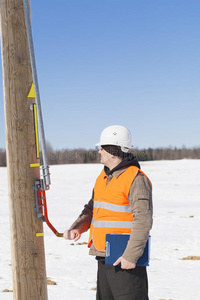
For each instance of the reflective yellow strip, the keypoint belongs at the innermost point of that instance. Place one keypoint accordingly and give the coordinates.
(112, 224)
(40, 234)
(34, 165)
(112, 207)
(32, 92)
(36, 131)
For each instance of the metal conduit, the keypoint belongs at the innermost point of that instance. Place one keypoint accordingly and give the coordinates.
(45, 167)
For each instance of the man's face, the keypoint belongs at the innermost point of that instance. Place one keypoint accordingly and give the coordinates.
(106, 157)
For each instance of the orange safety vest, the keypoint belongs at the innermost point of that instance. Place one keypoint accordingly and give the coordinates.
(111, 209)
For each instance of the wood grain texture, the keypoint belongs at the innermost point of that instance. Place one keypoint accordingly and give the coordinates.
(28, 258)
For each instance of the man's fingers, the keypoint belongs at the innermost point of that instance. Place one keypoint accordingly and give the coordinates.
(66, 235)
(117, 262)
(124, 263)
(72, 235)
(77, 236)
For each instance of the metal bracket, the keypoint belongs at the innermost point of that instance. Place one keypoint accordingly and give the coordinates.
(39, 199)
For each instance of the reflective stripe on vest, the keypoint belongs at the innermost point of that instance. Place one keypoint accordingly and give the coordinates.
(111, 224)
(111, 209)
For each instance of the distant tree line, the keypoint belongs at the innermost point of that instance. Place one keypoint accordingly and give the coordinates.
(2, 158)
(80, 156)
(168, 153)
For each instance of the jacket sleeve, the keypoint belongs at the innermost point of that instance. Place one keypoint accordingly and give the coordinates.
(140, 199)
(83, 222)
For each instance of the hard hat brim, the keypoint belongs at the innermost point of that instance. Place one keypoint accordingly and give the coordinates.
(124, 149)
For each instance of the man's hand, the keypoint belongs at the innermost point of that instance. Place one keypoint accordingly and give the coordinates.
(72, 234)
(125, 264)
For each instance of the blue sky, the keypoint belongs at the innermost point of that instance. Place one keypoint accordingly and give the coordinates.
(129, 62)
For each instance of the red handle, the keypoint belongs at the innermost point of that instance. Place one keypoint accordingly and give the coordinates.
(42, 195)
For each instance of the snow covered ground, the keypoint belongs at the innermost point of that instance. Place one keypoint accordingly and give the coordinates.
(175, 233)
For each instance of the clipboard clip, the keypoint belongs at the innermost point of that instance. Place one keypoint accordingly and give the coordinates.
(107, 249)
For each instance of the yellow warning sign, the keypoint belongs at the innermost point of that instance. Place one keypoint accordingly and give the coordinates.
(32, 92)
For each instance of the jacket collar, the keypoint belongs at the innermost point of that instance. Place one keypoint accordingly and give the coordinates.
(122, 166)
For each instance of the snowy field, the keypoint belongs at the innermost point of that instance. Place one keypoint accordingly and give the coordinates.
(175, 233)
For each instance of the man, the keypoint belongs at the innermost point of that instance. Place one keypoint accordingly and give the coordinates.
(121, 203)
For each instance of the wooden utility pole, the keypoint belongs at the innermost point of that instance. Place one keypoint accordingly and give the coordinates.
(28, 258)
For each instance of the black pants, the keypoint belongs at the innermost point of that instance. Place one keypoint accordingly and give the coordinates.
(114, 283)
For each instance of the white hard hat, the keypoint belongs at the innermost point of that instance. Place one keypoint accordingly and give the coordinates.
(116, 135)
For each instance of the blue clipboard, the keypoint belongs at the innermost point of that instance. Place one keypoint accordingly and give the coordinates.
(116, 245)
